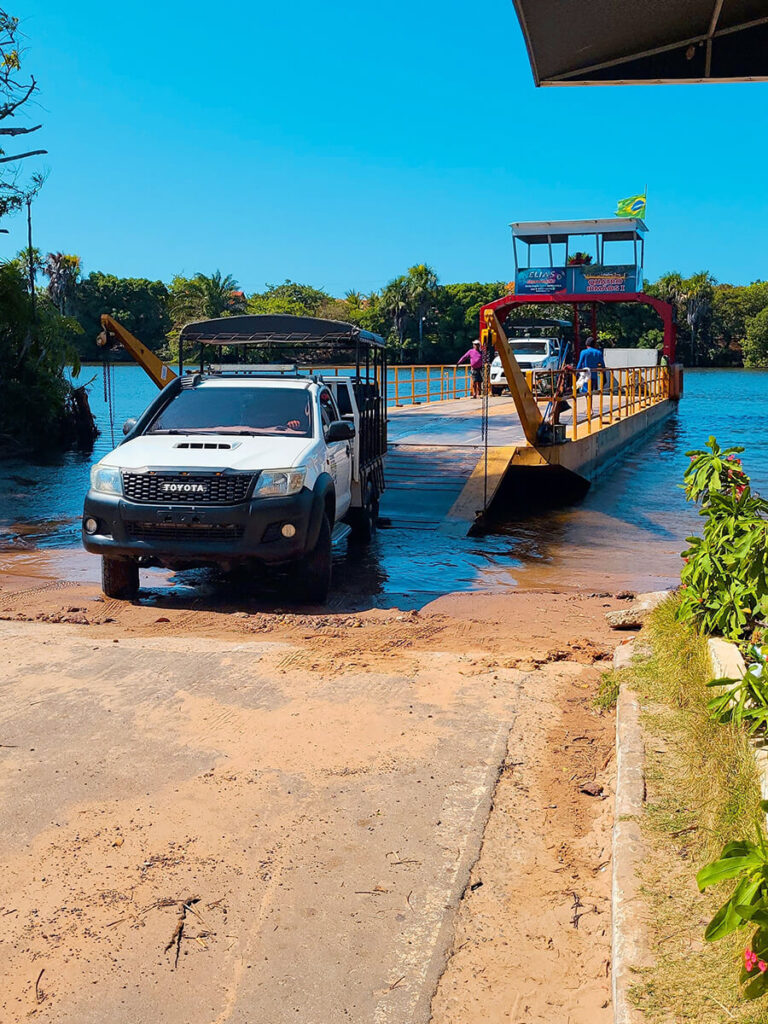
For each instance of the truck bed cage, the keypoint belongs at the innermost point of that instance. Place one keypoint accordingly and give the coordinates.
(317, 340)
(277, 329)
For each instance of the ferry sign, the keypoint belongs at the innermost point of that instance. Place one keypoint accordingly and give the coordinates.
(540, 281)
(579, 280)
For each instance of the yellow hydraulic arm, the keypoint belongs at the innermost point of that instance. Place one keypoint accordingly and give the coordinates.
(526, 405)
(148, 361)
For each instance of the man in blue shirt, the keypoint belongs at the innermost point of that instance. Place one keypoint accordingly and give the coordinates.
(591, 358)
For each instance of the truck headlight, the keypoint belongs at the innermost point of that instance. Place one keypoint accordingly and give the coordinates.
(280, 483)
(106, 479)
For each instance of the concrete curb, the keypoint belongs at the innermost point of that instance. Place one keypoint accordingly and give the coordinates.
(629, 937)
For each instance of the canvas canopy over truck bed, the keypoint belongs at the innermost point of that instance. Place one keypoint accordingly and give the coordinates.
(310, 341)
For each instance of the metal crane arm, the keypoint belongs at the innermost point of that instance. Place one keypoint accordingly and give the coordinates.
(153, 366)
(526, 405)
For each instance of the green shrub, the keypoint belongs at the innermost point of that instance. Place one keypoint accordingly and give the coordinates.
(724, 581)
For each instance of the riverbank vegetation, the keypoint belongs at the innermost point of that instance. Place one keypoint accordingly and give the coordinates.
(423, 319)
(705, 868)
(38, 337)
(702, 792)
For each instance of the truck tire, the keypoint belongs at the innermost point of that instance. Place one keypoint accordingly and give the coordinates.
(119, 578)
(363, 520)
(311, 579)
(496, 389)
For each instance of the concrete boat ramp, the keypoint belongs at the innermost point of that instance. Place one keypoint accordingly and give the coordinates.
(313, 829)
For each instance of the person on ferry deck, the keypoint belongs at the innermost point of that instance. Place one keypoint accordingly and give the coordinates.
(590, 360)
(475, 357)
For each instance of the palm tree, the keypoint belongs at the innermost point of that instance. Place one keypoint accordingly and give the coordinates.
(62, 271)
(700, 291)
(205, 296)
(354, 299)
(692, 299)
(394, 299)
(421, 288)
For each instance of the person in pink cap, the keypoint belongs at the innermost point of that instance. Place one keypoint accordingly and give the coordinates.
(475, 357)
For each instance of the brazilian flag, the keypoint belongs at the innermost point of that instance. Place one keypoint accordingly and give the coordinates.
(634, 206)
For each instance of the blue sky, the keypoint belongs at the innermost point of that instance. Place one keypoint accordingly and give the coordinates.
(338, 144)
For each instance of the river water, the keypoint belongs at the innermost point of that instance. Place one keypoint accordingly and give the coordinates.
(627, 533)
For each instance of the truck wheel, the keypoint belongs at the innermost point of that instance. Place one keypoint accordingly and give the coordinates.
(496, 390)
(312, 576)
(363, 520)
(119, 578)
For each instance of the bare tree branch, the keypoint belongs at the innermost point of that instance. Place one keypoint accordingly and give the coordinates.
(8, 109)
(22, 156)
(19, 131)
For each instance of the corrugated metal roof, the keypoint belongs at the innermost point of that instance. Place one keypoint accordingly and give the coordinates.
(609, 42)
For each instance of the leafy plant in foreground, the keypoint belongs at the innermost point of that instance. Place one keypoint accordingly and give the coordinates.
(725, 574)
(743, 702)
(747, 905)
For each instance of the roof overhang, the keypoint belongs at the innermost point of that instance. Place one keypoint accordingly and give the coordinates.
(625, 42)
(539, 232)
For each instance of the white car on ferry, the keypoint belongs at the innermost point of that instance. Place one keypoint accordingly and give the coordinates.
(531, 354)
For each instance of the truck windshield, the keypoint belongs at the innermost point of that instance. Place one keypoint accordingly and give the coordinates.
(237, 410)
(528, 348)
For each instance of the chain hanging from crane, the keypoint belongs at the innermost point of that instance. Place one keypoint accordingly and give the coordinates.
(485, 341)
(108, 371)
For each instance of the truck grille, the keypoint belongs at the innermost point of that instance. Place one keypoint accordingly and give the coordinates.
(187, 489)
(180, 531)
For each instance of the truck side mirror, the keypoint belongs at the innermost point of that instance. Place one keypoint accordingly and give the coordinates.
(340, 430)
(129, 425)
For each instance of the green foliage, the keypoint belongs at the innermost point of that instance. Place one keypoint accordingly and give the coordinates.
(747, 905)
(421, 293)
(204, 297)
(33, 354)
(139, 304)
(422, 320)
(743, 702)
(458, 315)
(290, 297)
(755, 344)
(725, 575)
(63, 272)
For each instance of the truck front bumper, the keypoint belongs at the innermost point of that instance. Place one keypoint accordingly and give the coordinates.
(192, 535)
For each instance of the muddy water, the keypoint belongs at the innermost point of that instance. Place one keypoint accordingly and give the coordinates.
(626, 533)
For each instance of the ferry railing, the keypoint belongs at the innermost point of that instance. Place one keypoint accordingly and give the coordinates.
(413, 385)
(617, 394)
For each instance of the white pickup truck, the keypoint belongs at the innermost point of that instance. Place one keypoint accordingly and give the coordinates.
(531, 354)
(238, 466)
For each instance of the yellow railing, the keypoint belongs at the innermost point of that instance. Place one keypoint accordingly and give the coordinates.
(412, 385)
(616, 395)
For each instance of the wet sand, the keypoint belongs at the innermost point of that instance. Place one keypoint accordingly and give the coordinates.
(378, 811)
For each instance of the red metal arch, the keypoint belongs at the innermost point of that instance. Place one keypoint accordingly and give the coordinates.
(665, 310)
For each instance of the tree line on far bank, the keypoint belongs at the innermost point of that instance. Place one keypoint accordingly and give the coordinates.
(423, 320)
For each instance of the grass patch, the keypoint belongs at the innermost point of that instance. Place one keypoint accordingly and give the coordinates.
(610, 684)
(702, 791)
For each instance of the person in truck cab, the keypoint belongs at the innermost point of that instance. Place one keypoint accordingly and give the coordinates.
(256, 415)
(263, 411)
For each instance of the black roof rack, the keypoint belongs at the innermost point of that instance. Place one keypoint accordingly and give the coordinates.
(276, 329)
